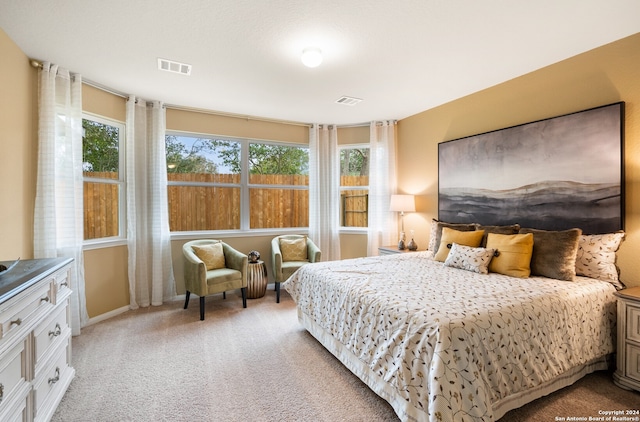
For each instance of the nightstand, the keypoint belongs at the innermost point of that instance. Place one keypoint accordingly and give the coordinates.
(627, 373)
(390, 250)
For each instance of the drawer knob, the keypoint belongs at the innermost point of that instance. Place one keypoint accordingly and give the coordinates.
(56, 332)
(64, 283)
(56, 378)
(1, 392)
(16, 321)
(44, 299)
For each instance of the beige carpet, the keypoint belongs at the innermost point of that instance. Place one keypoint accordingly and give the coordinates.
(254, 364)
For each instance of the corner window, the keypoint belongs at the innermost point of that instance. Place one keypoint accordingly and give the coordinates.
(354, 186)
(102, 164)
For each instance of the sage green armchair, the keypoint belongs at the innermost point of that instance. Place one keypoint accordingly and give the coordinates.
(203, 282)
(283, 265)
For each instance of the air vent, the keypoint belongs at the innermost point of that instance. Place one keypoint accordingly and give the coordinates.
(350, 101)
(174, 67)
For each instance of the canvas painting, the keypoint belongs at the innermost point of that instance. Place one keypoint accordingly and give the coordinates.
(553, 174)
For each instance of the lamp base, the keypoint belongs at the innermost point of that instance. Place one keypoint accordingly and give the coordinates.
(401, 244)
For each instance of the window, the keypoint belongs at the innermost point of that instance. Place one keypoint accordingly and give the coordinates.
(102, 162)
(354, 186)
(278, 186)
(204, 183)
(226, 184)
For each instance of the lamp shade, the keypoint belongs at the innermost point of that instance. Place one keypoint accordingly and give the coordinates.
(403, 203)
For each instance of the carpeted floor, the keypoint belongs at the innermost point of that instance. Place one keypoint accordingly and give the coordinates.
(254, 364)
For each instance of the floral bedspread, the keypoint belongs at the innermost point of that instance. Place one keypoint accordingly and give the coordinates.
(452, 342)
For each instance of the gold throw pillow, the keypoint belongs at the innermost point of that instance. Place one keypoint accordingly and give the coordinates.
(513, 254)
(451, 236)
(294, 249)
(212, 255)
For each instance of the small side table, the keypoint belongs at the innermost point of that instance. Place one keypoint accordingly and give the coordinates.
(627, 373)
(256, 280)
(390, 250)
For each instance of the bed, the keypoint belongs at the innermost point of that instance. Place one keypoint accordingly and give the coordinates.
(441, 343)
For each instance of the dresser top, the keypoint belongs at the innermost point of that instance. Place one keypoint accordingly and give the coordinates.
(26, 273)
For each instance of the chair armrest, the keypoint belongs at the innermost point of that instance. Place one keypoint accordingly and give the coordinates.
(276, 260)
(313, 252)
(236, 260)
(195, 272)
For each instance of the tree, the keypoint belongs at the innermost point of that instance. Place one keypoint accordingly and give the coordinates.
(276, 159)
(181, 159)
(354, 162)
(264, 158)
(99, 147)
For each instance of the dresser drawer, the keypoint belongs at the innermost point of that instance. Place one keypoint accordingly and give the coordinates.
(50, 385)
(633, 323)
(61, 285)
(51, 332)
(632, 367)
(16, 413)
(12, 377)
(18, 312)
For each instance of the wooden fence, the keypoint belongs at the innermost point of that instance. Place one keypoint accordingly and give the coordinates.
(354, 204)
(195, 208)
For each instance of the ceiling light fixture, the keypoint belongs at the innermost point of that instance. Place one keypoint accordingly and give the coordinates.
(311, 57)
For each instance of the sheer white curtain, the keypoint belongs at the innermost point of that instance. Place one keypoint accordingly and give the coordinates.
(58, 214)
(324, 190)
(383, 224)
(151, 278)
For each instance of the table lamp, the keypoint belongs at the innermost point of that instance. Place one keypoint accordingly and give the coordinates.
(402, 204)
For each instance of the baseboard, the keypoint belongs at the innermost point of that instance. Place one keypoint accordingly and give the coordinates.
(107, 315)
(124, 309)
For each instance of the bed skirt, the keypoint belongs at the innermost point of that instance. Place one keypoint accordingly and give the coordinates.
(407, 412)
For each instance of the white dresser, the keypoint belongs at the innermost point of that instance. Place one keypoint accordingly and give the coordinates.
(627, 373)
(35, 339)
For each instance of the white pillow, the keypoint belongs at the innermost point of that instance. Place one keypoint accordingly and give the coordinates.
(470, 259)
(596, 257)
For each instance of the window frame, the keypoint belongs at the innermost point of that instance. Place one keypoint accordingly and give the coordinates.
(353, 229)
(121, 238)
(244, 185)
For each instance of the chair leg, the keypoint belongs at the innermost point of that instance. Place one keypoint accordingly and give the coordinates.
(186, 301)
(244, 297)
(277, 292)
(201, 308)
(224, 295)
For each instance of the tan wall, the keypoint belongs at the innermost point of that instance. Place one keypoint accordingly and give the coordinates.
(599, 77)
(18, 141)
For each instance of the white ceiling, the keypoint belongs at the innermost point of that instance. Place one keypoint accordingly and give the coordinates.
(401, 57)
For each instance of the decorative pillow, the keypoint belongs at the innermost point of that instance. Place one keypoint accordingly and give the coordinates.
(510, 229)
(451, 236)
(294, 249)
(433, 232)
(470, 259)
(554, 253)
(456, 226)
(212, 255)
(596, 257)
(513, 254)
